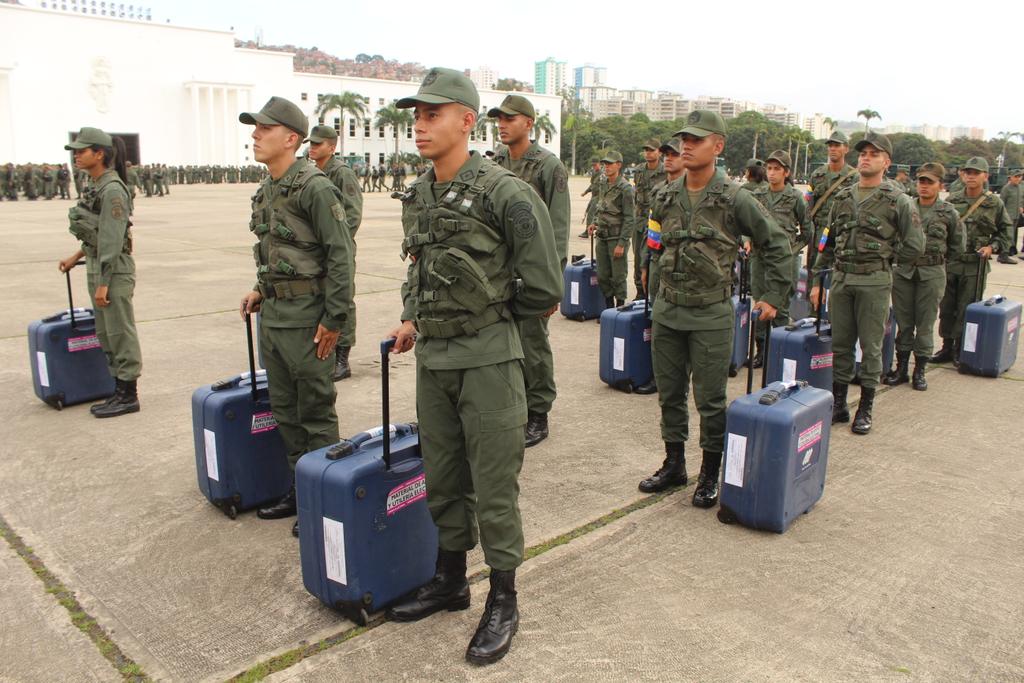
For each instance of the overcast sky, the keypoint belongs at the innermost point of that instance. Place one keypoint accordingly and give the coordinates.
(912, 62)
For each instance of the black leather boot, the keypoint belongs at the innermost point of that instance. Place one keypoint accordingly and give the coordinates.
(900, 375)
(649, 387)
(536, 429)
(341, 368)
(121, 403)
(862, 420)
(945, 354)
(609, 302)
(920, 383)
(840, 413)
(118, 389)
(956, 353)
(448, 590)
(619, 302)
(706, 493)
(499, 622)
(284, 507)
(671, 473)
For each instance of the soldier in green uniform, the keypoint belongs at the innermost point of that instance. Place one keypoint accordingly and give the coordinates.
(133, 178)
(10, 183)
(31, 188)
(672, 159)
(869, 225)
(101, 222)
(645, 178)
(482, 254)
(1012, 195)
(323, 140)
(825, 182)
(614, 218)
(597, 180)
(49, 181)
(541, 170)
(64, 181)
(917, 285)
(988, 231)
(755, 175)
(704, 216)
(903, 178)
(303, 292)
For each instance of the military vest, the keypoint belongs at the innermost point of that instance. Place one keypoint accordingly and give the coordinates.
(646, 179)
(529, 173)
(610, 215)
(84, 217)
(783, 210)
(288, 250)
(699, 248)
(461, 279)
(936, 234)
(865, 233)
(981, 226)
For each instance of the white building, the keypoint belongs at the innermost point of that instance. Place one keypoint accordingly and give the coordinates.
(174, 111)
(588, 75)
(817, 126)
(483, 77)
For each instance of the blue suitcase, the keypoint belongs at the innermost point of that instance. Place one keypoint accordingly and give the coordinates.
(776, 455)
(799, 305)
(241, 460)
(625, 346)
(801, 351)
(68, 365)
(581, 297)
(888, 348)
(366, 537)
(991, 334)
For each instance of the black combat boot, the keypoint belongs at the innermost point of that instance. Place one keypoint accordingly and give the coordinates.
(118, 388)
(649, 387)
(284, 507)
(945, 354)
(499, 622)
(901, 374)
(956, 353)
(619, 302)
(920, 363)
(341, 368)
(672, 471)
(448, 590)
(862, 420)
(706, 493)
(840, 413)
(127, 401)
(536, 429)
(609, 302)
(758, 360)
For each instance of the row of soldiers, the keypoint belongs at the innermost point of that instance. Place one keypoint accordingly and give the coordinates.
(374, 178)
(35, 181)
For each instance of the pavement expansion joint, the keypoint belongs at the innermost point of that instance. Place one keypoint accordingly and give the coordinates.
(80, 619)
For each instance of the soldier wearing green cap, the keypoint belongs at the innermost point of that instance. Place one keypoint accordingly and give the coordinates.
(613, 226)
(825, 181)
(651, 173)
(754, 174)
(101, 221)
(1012, 195)
(917, 285)
(481, 255)
(597, 182)
(903, 179)
(544, 172)
(989, 232)
(671, 154)
(304, 270)
(869, 225)
(703, 217)
(323, 140)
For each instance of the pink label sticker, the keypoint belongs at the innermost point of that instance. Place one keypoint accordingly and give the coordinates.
(85, 343)
(404, 495)
(647, 334)
(263, 422)
(593, 281)
(1013, 324)
(820, 361)
(809, 437)
(743, 319)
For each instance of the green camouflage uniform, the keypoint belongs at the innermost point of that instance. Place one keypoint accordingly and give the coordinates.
(615, 219)
(821, 181)
(1013, 199)
(788, 208)
(644, 179)
(344, 178)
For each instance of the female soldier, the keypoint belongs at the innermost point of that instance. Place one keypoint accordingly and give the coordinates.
(101, 223)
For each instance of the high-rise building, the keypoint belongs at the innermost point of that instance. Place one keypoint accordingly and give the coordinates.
(550, 77)
(817, 126)
(483, 77)
(588, 75)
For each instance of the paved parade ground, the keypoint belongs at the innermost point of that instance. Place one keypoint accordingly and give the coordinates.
(910, 568)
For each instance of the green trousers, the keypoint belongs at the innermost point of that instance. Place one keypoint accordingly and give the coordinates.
(348, 327)
(961, 290)
(539, 364)
(115, 326)
(302, 393)
(611, 271)
(471, 435)
(704, 355)
(916, 305)
(858, 312)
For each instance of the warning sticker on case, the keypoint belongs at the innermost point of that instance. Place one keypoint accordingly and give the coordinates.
(735, 459)
(823, 360)
(807, 460)
(334, 551)
(647, 334)
(44, 376)
(619, 353)
(809, 437)
(210, 441)
(1012, 325)
(789, 369)
(574, 293)
(85, 343)
(970, 337)
(404, 495)
(263, 422)
(593, 280)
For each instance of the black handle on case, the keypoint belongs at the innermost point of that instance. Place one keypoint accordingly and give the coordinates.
(592, 262)
(756, 313)
(252, 356)
(385, 398)
(71, 303)
(979, 294)
(821, 301)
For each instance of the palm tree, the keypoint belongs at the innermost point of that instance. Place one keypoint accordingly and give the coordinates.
(800, 137)
(868, 114)
(485, 125)
(830, 123)
(1006, 136)
(346, 102)
(398, 119)
(543, 125)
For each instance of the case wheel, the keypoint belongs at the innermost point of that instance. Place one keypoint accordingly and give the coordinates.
(726, 516)
(231, 512)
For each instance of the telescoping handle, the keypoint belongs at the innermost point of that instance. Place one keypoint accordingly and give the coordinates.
(252, 355)
(822, 293)
(591, 247)
(385, 399)
(979, 292)
(71, 302)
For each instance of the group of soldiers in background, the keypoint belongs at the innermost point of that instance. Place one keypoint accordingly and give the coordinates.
(48, 181)
(374, 177)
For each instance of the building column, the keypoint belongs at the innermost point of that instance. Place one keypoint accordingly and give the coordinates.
(196, 124)
(226, 120)
(208, 147)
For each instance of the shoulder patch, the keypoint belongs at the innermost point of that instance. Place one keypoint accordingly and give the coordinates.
(117, 208)
(561, 179)
(338, 212)
(350, 189)
(520, 216)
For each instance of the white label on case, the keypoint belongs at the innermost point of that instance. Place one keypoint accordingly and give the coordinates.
(379, 431)
(789, 369)
(210, 440)
(735, 460)
(618, 353)
(574, 293)
(44, 376)
(334, 551)
(970, 337)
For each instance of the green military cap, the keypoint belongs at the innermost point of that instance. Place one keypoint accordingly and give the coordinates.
(671, 145)
(653, 144)
(321, 133)
(876, 140)
(751, 163)
(595, 160)
(702, 123)
(976, 163)
(611, 157)
(87, 137)
(933, 170)
(278, 112)
(514, 105)
(781, 156)
(838, 137)
(443, 86)
(903, 167)
(1017, 171)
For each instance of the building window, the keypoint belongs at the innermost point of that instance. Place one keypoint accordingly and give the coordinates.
(337, 125)
(472, 135)
(366, 158)
(547, 138)
(304, 96)
(408, 132)
(366, 129)
(380, 131)
(380, 101)
(380, 158)
(351, 128)
(483, 134)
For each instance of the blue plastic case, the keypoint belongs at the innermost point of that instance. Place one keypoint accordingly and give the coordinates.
(991, 336)
(798, 353)
(68, 365)
(625, 347)
(581, 298)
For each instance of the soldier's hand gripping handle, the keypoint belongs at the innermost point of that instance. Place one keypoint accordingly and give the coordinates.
(404, 336)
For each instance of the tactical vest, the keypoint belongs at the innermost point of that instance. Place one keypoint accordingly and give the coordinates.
(980, 226)
(530, 171)
(461, 279)
(864, 243)
(936, 234)
(783, 211)
(289, 256)
(84, 217)
(609, 210)
(646, 180)
(698, 251)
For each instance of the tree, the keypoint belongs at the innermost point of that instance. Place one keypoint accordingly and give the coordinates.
(868, 114)
(1006, 136)
(398, 119)
(911, 148)
(830, 123)
(543, 124)
(485, 125)
(510, 84)
(346, 102)
(574, 118)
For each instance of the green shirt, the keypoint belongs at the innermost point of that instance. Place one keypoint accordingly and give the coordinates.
(944, 234)
(344, 178)
(1013, 198)
(987, 226)
(821, 180)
